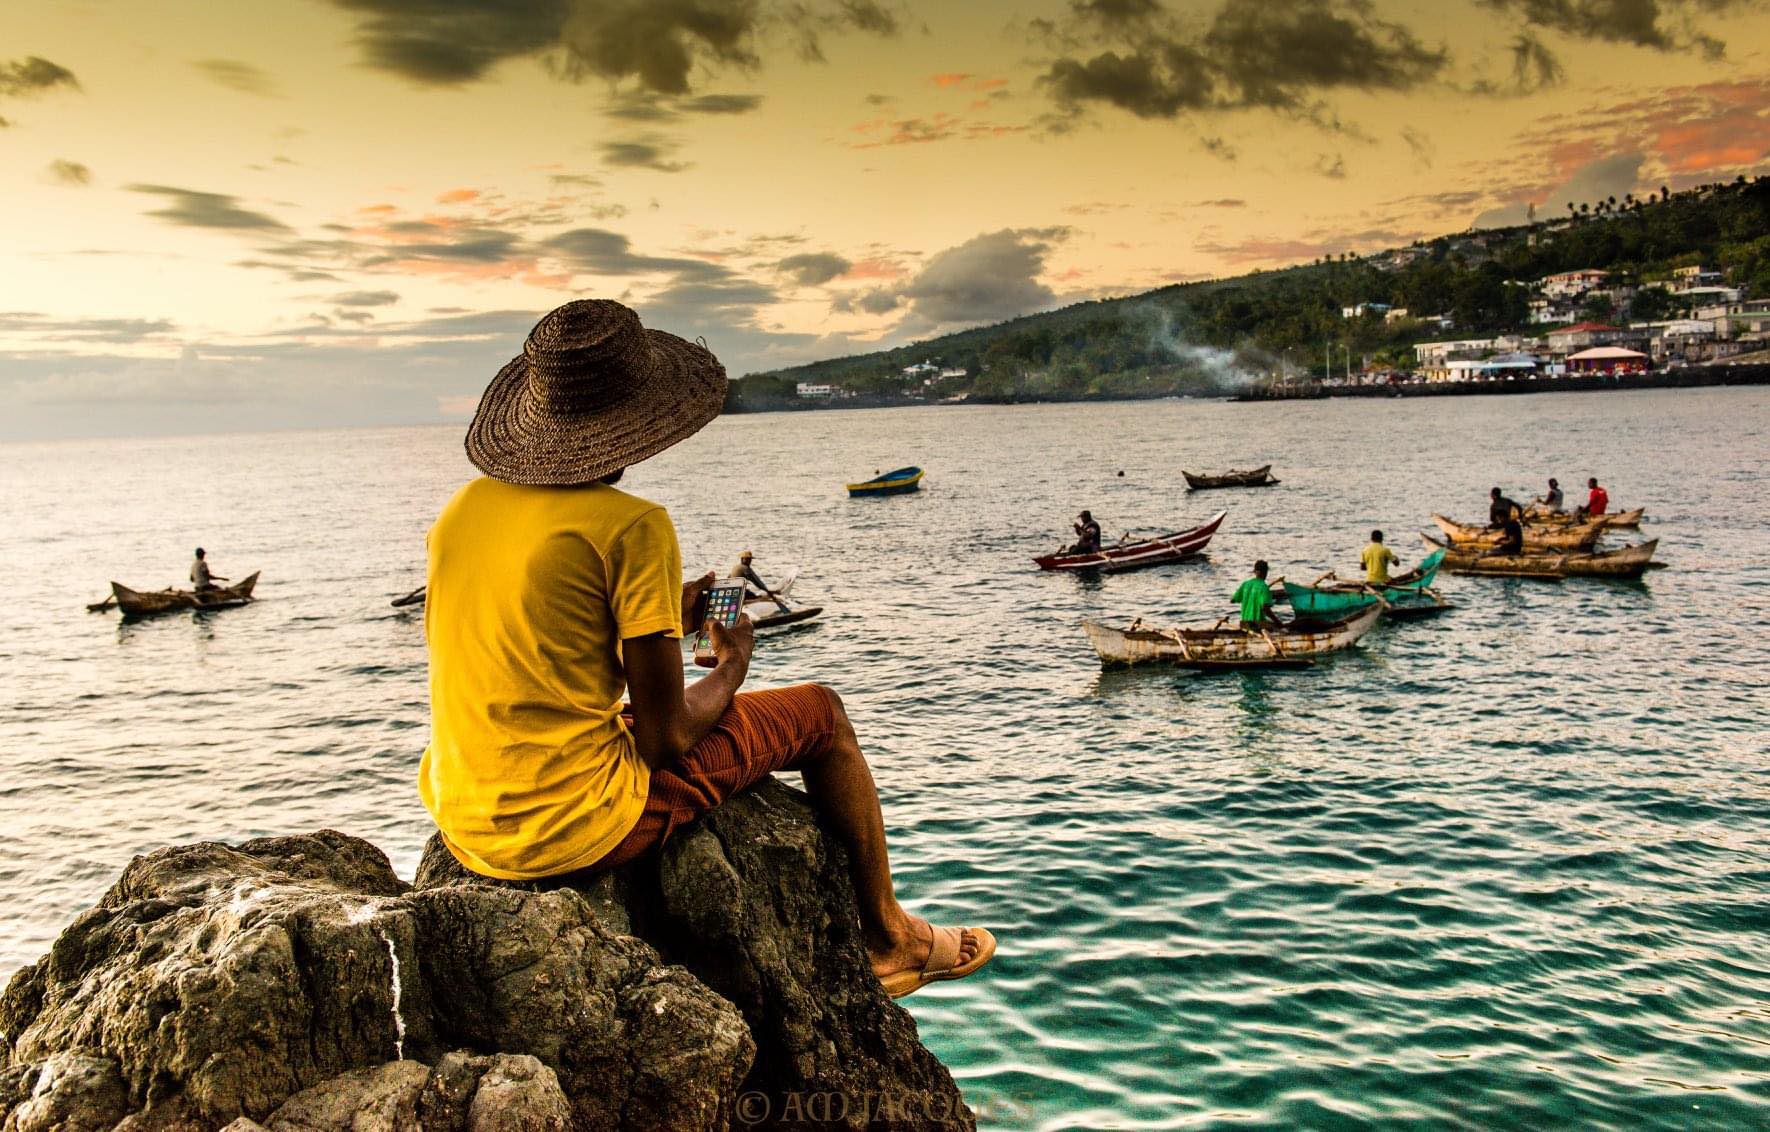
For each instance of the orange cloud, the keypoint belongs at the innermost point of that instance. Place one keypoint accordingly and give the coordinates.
(458, 196)
(950, 79)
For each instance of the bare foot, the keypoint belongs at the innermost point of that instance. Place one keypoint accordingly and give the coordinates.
(908, 950)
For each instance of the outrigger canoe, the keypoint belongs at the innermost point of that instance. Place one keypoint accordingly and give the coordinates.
(1580, 537)
(767, 614)
(138, 603)
(1138, 554)
(1628, 562)
(1611, 520)
(890, 483)
(1294, 645)
(1252, 477)
(1408, 595)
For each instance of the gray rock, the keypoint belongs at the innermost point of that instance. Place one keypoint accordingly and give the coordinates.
(296, 982)
(71, 1092)
(382, 1099)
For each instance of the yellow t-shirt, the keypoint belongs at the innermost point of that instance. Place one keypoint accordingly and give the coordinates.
(1377, 559)
(530, 772)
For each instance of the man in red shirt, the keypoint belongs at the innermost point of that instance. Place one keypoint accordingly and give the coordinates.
(1598, 501)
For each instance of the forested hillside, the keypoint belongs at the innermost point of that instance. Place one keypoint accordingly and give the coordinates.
(1213, 336)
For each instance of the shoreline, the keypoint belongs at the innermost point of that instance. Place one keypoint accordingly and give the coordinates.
(1692, 377)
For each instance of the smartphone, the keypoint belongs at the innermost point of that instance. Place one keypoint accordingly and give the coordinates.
(723, 603)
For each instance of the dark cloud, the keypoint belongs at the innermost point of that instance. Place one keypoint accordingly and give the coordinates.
(32, 76)
(192, 209)
(69, 172)
(114, 330)
(874, 300)
(1664, 25)
(1280, 55)
(643, 107)
(656, 44)
(599, 251)
(646, 153)
(581, 180)
(721, 104)
(449, 42)
(460, 245)
(811, 269)
(235, 75)
(987, 278)
(365, 299)
(1534, 66)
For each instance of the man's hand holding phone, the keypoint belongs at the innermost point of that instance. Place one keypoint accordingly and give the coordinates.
(731, 647)
(694, 601)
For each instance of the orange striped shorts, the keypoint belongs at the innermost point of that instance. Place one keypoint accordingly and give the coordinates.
(760, 733)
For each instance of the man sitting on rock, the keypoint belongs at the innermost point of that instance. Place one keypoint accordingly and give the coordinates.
(551, 592)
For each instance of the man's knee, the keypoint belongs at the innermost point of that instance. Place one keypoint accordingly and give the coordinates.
(844, 729)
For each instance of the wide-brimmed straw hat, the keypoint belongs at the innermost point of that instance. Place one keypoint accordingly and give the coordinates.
(592, 392)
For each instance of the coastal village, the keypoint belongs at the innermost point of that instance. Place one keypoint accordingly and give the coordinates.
(1583, 332)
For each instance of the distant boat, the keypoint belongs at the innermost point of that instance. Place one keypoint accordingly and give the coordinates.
(896, 482)
(1251, 477)
(1628, 562)
(138, 603)
(1408, 595)
(1136, 555)
(1294, 645)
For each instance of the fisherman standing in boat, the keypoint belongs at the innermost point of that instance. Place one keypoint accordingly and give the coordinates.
(1552, 501)
(1255, 598)
(201, 578)
(747, 572)
(1376, 560)
(1087, 534)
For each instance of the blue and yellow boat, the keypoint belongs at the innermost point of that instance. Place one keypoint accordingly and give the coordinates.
(1408, 595)
(889, 483)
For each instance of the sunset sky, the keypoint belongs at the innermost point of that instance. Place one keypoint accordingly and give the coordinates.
(339, 212)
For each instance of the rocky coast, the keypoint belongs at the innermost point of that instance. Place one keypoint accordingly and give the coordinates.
(296, 983)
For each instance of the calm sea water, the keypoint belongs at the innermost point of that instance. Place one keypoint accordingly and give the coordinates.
(1505, 868)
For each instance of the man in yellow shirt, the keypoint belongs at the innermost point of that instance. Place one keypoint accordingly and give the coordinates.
(551, 592)
(1377, 559)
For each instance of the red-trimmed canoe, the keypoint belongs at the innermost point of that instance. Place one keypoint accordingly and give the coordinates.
(1137, 555)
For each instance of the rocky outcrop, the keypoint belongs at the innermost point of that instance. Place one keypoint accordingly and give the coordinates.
(296, 983)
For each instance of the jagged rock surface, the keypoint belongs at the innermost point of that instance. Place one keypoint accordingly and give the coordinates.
(296, 983)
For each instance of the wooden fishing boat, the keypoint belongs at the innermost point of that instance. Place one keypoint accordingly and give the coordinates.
(416, 597)
(1408, 595)
(1610, 520)
(1135, 555)
(1578, 537)
(1252, 477)
(139, 603)
(895, 482)
(1628, 562)
(1294, 645)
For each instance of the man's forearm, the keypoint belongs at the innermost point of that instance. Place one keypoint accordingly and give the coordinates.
(707, 698)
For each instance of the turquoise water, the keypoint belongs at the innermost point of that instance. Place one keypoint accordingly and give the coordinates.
(1504, 868)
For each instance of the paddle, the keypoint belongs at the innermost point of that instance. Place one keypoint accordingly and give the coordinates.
(101, 606)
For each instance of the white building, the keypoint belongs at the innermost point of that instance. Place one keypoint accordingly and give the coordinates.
(1359, 310)
(817, 392)
(1572, 284)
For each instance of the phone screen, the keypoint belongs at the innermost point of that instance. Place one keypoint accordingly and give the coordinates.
(724, 605)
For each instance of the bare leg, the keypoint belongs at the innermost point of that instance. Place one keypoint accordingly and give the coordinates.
(841, 787)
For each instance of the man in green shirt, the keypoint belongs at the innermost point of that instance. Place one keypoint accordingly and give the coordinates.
(1255, 598)
(1376, 560)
